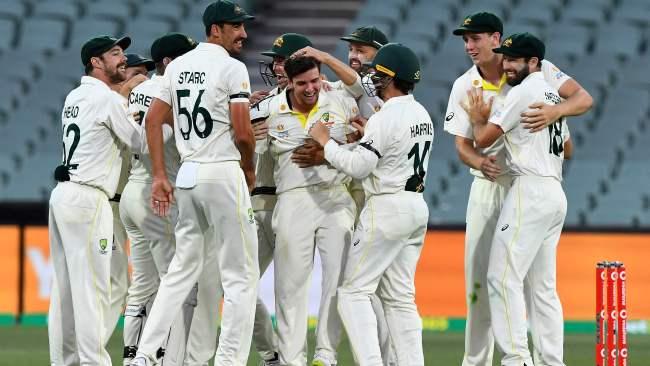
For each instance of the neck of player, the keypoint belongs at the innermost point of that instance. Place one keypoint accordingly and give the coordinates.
(492, 70)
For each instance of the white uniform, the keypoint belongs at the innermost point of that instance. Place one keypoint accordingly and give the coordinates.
(483, 208)
(528, 230)
(152, 238)
(263, 199)
(367, 107)
(199, 85)
(314, 210)
(391, 159)
(95, 125)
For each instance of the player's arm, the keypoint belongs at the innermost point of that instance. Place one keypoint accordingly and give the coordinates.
(123, 125)
(469, 155)
(568, 149)
(161, 189)
(577, 101)
(130, 84)
(244, 137)
(357, 163)
(344, 72)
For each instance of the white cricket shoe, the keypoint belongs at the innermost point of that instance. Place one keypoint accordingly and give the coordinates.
(320, 360)
(275, 361)
(141, 361)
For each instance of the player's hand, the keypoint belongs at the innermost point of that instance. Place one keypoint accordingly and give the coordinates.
(359, 123)
(128, 86)
(539, 116)
(489, 168)
(249, 175)
(257, 96)
(308, 51)
(325, 86)
(261, 130)
(309, 154)
(477, 109)
(162, 196)
(320, 133)
(136, 117)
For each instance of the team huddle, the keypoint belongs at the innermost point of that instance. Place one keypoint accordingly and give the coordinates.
(211, 182)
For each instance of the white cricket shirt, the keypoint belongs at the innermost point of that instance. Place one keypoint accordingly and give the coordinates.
(199, 85)
(456, 120)
(95, 126)
(396, 146)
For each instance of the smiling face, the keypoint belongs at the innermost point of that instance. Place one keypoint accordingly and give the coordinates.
(278, 70)
(306, 87)
(517, 68)
(478, 46)
(232, 36)
(113, 64)
(359, 54)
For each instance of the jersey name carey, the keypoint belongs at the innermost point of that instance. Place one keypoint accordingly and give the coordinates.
(552, 97)
(191, 77)
(141, 99)
(422, 129)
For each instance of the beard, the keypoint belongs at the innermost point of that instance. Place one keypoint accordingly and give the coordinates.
(519, 76)
(115, 75)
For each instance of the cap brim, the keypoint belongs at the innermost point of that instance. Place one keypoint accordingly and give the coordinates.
(148, 64)
(240, 19)
(462, 30)
(123, 42)
(359, 40)
(507, 52)
(271, 54)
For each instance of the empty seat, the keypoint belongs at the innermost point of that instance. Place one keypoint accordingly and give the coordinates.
(171, 11)
(64, 10)
(13, 9)
(538, 13)
(83, 30)
(620, 39)
(121, 11)
(7, 34)
(638, 14)
(591, 15)
(42, 34)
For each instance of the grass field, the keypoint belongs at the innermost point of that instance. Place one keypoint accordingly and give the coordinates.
(27, 346)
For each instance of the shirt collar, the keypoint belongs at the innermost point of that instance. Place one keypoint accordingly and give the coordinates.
(400, 99)
(283, 107)
(478, 81)
(91, 80)
(212, 47)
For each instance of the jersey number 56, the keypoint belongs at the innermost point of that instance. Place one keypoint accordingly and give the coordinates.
(192, 118)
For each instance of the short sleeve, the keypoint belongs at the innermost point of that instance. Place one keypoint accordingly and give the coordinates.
(162, 89)
(355, 90)
(508, 114)
(456, 119)
(238, 86)
(553, 75)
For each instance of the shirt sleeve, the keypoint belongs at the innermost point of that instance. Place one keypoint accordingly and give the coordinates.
(238, 85)
(508, 114)
(355, 90)
(163, 88)
(553, 75)
(456, 119)
(361, 161)
(123, 125)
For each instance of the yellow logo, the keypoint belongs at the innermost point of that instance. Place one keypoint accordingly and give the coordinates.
(467, 21)
(507, 42)
(278, 42)
(238, 10)
(417, 75)
(476, 83)
(280, 127)
(244, 85)
(283, 107)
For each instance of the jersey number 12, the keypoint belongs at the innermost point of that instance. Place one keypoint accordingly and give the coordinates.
(74, 129)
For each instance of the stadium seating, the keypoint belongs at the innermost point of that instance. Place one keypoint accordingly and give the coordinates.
(604, 44)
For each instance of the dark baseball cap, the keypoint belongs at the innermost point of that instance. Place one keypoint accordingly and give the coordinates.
(370, 36)
(171, 45)
(287, 44)
(482, 22)
(98, 45)
(133, 60)
(522, 45)
(224, 11)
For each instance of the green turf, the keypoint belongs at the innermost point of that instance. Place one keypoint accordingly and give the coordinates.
(27, 346)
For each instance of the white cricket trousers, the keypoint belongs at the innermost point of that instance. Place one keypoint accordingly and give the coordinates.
(305, 219)
(483, 209)
(202, 342)
(119, 269)
(385, 250)
(152, 249)
(215, 220)
(81, 235)
(525, 245)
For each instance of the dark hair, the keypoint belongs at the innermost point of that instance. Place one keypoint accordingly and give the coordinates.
(208, 28)
(296, 66)
(88, 68)
(539, 61)
(403, 86)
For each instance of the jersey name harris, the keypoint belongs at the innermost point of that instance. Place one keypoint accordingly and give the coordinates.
(422, 129)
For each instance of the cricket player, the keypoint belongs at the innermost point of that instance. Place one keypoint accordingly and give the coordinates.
(326, 216)
(531, 220)
(391, 159)
(207, 91)
(95, 126)
(481, 32)
(263, 197)
(152, 237)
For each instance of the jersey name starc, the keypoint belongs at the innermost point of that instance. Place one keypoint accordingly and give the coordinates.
(535, 154)
(95, 126)
(139, 102)
(199, 86)
(456, 120)
(289, 130)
